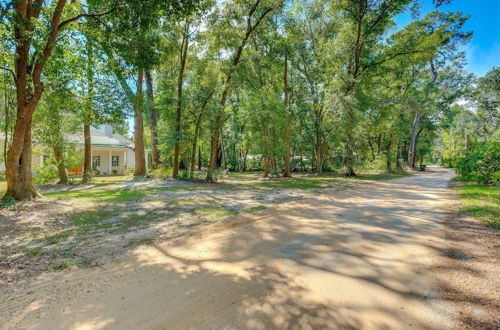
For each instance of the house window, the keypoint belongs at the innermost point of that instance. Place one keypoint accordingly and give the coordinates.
(115, 161)
(96, 162)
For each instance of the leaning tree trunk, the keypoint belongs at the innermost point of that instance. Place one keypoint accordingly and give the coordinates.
(140, 158)
(63, 175)
(180, 82)
(153, 121)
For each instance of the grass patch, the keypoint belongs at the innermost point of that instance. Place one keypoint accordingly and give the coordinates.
(34, 252)
(216, 212)
(90, 217)
(142, 241)
(58, 237)
(383, 176)
(256, 208)
(481, 202)
(63, 264)
(115, 195)
(100, 193)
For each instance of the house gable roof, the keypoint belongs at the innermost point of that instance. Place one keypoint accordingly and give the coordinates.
(99, 138)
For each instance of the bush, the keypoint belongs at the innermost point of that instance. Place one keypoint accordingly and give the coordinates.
(183, 175)
(218, 174)
(8, 202)
(482, 164)
(115, 172)
(45, 175)
(160, 173)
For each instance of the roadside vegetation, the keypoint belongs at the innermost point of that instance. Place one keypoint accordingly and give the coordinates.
(479, 170)
(481, 202)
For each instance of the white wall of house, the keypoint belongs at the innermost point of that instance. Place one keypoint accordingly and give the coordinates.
(102, 159)
(126, 159)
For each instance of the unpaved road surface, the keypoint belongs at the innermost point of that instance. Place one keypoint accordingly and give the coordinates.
(355, 259)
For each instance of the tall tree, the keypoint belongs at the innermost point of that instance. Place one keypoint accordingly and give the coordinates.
(183, 52)
(153, 121)
(33, 49)
(252, 16)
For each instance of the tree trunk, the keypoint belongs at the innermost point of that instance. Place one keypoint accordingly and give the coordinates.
(199, 158)
(349, 154)
(193, 157)
(399, 163)
(63, 175)
(153, 121)
(140, 157)
(196, 135)
(88, 114)
(371, 149)
(413, 140)
(195, 143)
(180, 81)
(379, 143)
(245, 155)
(288, 130)
(318, 152)
(266, 166)
(87, 158)
(223, 153)
(18, 167)
(388, 158)
(467, 143)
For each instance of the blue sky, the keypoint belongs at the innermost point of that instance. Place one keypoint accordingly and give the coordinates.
(483, 51)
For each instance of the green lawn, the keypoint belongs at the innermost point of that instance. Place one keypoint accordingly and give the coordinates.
(481, 202)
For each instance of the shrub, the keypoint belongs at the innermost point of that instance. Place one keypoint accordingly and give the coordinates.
(482, 164)
(115, 172)
(218, 174)
(183, 175)
(160, 173)
(8, 202)
(45, 175)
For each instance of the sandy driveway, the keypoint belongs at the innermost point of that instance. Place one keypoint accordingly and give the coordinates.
(353, 259)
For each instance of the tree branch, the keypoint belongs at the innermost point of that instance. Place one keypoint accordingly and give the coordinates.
(11, 72)
(76, 18)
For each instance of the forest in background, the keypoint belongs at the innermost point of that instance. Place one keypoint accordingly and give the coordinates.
(267, 85)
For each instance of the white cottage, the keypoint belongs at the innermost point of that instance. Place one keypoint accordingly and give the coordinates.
(112, 153)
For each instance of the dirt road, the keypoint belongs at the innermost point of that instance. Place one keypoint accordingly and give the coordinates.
(355, 259)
